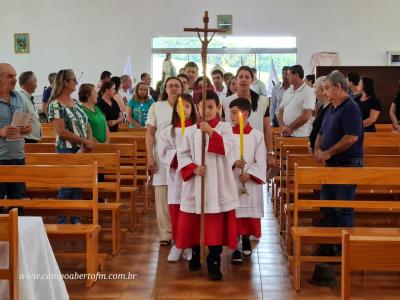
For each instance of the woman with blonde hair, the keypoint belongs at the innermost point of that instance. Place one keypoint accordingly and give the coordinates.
(139, 106)
(72, 128)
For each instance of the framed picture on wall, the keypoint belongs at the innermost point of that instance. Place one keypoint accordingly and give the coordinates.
(21, 43)
(224, 22)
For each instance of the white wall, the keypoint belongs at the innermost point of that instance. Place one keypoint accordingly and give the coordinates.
(93, 35)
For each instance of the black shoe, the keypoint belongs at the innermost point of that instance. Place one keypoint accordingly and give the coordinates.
(323, 275)
(214, 271)
(246, 246)
(324, 250)
(194, 263)
(236, 258)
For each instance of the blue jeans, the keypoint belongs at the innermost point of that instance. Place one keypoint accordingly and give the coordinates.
(339, 217)
(69, 193)
(13, 190)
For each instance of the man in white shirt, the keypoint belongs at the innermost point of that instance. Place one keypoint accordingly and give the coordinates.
(218, 81)
(28, 84)
(126, 88)
(298, 102)
(258, 86)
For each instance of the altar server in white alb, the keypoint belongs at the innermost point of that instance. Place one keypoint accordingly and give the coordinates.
(170, 141)
(253, 151)
(221, 196)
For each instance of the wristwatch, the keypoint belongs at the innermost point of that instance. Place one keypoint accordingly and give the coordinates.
(271, 153)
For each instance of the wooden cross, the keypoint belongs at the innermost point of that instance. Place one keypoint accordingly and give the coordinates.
(204, 45)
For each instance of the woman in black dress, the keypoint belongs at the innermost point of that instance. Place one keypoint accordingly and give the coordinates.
(370, 106)
(109, 106)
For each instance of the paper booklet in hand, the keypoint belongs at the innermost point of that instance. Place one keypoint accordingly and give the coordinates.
(20, 120)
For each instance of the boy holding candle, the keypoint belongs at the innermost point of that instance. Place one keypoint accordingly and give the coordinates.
(221, 197)
(250, 175)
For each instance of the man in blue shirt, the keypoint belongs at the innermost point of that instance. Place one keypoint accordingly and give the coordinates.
(11, 152)
(339, 144)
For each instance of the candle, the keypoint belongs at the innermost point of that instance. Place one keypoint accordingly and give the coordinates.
(241, 135)
(181, 115)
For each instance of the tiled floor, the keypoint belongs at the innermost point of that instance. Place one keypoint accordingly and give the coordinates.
(263, 276)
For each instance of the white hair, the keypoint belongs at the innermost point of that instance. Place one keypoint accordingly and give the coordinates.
(319, 83)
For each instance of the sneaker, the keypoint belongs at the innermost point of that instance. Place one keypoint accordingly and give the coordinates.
(75, 220)
(236, 258)
(187, 254)
(174, 254)
(62, 220)
(246, 246)
(214, 271)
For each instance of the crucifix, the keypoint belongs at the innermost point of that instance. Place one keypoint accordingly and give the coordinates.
(204, 45)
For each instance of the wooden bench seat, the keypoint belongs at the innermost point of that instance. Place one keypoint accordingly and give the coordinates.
(376, 251)
(108, 164)
(127, 164)
(9, 233)
(77, 176)
(374, 176)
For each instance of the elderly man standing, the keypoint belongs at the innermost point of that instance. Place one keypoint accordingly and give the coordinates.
(11, 152)
(339, 144)
(297, 106)
(125, 90)
(28, 84)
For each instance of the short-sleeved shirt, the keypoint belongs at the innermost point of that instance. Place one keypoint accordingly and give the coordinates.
(259, 87)
(46, 94)
(345, 119)
(11, 149)
(97, 122)
(317, 124)
(75, 121)
(365, 107)
(140, 111)
(294, 102)
(110, 112)
(257, 116)
(160, 116)
(276, 99)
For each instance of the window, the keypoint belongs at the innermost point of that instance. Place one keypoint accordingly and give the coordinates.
(228, 52)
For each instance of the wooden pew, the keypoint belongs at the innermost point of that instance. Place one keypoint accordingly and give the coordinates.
(128, 168)
(384, 127)
(380, 178)
(376, 251)
(307, 160)
(9, 233)
(108, 164)
(83, 176)
(140, 162)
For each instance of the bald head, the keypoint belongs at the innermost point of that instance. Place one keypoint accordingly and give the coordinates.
(8, 78)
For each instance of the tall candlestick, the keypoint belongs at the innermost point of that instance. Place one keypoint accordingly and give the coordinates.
(181, 115)
(241, 135)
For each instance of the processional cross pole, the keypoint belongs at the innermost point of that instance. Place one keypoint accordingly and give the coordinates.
(204, 46)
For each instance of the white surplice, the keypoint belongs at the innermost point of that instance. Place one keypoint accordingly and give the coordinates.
(220, 189)
(251, 206)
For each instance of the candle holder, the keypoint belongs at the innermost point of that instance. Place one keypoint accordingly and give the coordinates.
(243, 190)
